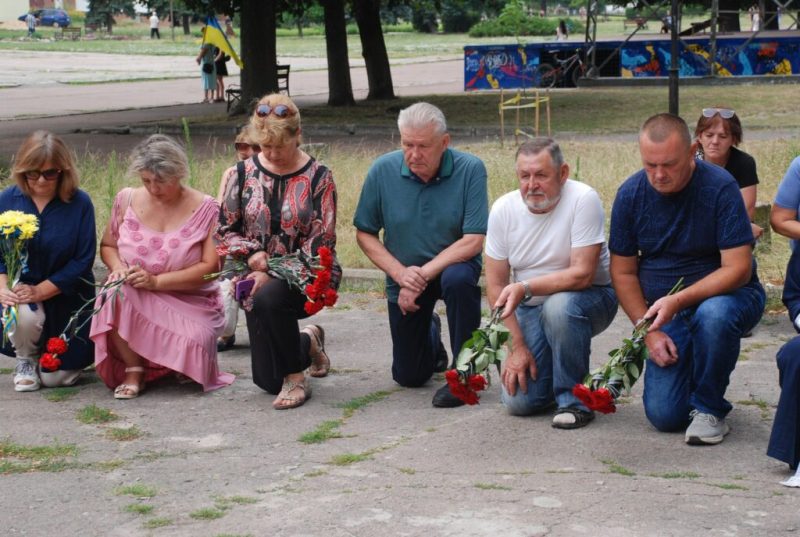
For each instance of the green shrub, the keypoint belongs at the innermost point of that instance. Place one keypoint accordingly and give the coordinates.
(458, 16)
(424, 16)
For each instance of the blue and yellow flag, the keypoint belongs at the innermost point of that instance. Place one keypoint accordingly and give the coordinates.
(215, 36)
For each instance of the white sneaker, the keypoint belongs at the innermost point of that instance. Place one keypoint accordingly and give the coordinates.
(706, 429)
(25, 377)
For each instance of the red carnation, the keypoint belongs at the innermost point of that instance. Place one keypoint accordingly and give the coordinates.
(330, 297)
(49, 362)
(56, 345)
(599, 400)
(477, 382)
(325, 257)
(313, 307)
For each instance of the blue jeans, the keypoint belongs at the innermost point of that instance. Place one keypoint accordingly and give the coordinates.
(784, 442)
(559, 335)
(707, 337)
(415, 340)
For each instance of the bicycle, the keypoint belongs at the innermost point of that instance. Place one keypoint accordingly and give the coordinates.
(549, 76)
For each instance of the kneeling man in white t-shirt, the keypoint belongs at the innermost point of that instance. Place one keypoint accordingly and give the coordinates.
(547, 264)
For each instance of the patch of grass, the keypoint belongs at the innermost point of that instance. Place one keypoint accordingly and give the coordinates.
(158, 522)
(762, 405)
(108, 466)
(62, 393)
(358, 403)
(726, 486)
(315, 473)
(139, 508)
(6, 370)
(207, 513)
(124, 434)
(743, 357)
(677, 475)
(94, 414)
(490, 486)
(409, 471)
(224, 502)
(344, 371)
(323, 432)
(138, 491)
(346, 459)
(53, 451)
(233, 535)
(615, 468)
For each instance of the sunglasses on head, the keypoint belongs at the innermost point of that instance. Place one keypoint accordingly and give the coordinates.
(280, 110)
(724, 113)
(244, 146)
(49, 175)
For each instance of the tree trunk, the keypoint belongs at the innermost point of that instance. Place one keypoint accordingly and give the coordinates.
(186, 29)
(729, 22)
(340, 88)
(109, 22)
(259, 53)
(379, 74)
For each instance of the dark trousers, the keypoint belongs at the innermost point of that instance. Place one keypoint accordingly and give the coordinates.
(154, 32)
(784, 443)
(277, 348)
(415, 339)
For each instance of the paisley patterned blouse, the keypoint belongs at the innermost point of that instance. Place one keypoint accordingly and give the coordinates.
(278, 214)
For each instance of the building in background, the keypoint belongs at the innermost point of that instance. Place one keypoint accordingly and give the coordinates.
(11, 9)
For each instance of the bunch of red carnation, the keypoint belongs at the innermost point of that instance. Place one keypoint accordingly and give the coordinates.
(599, 400)
(465, 387)
(319, 292)
(50, 361)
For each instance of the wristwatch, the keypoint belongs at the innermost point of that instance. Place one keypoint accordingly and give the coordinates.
(528, 292)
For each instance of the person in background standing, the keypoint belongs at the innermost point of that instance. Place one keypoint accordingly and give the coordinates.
(154, 26)
(30, 20)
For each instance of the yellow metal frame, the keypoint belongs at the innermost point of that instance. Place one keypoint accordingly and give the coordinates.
(520, 102)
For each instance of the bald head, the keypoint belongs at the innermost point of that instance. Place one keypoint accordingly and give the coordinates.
(660, 127)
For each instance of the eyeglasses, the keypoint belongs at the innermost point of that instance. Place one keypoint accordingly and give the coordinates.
(49, 175)
(280, 110)
(724, 113)
(243, 146)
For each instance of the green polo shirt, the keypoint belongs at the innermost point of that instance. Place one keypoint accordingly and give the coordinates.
(420, 219)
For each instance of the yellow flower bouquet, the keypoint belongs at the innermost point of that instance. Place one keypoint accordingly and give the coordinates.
(16, 229)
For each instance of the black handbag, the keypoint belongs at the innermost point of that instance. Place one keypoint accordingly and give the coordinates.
(208, 67)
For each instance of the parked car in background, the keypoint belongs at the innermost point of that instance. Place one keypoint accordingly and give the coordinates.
(50, 17)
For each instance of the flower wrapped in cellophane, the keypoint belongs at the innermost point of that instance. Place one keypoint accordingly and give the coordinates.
(16, 229)
(311, 275)
(483, 349)
(602, 387)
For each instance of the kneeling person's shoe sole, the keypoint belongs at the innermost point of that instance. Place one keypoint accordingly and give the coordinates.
(706, 429)
(572, 418)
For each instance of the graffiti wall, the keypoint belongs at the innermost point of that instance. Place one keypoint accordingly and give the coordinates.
(514, 66)
(776, 56)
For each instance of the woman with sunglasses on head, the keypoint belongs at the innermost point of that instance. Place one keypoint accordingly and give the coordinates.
(158, 238)
(719, 133)
(284, 202)
(58, 279)
(245, 149)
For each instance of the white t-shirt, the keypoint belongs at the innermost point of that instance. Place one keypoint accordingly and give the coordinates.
(539, 244)
(153, 22)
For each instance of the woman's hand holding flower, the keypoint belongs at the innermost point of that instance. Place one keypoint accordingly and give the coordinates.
(8, 297)
(27, 294)
(139, 278)
(258, 262)
(261, 279)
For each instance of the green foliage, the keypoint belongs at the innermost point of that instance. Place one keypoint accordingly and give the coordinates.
(514, 21)
(484, 348)
(424, 16)
(137, 491)
(139, 508)
(323, 432)
(124, 434)
(101, 12)
(158, 522)
(458, 16)
(207, 513)
(94, 414)
(360, 402)
(615, 468)
(62, 393)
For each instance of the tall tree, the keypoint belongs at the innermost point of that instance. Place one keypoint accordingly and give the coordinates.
(101, 12)
(340, 87)
(259, 51)
(376, 59)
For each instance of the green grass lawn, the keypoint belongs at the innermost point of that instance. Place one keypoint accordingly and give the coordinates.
(134, 38)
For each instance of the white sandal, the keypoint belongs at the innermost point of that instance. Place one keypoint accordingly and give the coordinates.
(130, 391)
(25, 377)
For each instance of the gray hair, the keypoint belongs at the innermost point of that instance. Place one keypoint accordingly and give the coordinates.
(421, 115)
(162, 156)
(661, 126)
(539, 144)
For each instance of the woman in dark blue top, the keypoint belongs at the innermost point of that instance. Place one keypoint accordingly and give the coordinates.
(59, 276)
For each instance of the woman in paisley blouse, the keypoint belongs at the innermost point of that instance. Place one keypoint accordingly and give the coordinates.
(278, 202)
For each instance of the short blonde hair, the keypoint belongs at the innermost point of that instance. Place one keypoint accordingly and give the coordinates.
(39, 148)
(272, 129)
(162, 156)
(244, 135)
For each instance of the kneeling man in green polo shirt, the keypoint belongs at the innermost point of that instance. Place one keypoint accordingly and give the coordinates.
(431, 203)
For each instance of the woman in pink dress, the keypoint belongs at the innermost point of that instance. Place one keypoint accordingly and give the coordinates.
(159, 239)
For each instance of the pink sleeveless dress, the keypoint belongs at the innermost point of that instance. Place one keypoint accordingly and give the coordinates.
(172, 331)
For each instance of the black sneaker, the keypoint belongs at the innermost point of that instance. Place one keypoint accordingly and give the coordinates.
(444, 399)
(442, 360)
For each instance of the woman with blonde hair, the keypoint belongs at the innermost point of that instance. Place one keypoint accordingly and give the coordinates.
(58, 279)
(284, 201)
(158, 239)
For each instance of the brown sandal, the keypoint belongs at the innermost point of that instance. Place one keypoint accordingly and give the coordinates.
(320, 362)
(293, 401)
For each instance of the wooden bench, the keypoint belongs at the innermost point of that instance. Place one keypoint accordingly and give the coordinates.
(638, 22)
(70, 32)
(234, 93)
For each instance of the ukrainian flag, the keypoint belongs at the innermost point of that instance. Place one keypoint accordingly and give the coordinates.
(215, 36)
